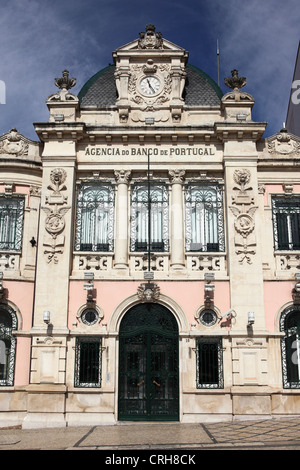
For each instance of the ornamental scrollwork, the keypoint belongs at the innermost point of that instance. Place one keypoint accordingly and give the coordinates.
(122, 176)
(148, 292)
(177, 176)
(14, 144)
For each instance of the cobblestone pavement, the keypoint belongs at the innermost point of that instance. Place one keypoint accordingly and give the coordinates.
(279, 434)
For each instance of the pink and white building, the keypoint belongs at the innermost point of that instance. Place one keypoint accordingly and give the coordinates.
(149, 251)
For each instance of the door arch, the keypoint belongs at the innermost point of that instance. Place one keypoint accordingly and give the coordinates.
(148, 364)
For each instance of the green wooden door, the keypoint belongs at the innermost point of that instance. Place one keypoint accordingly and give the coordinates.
(148, 365)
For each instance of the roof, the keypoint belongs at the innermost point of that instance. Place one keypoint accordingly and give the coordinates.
(200, 89)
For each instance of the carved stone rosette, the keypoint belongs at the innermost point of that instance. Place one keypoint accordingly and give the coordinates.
(243, 209)
(54, 240)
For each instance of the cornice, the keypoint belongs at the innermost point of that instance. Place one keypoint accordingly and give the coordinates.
(53, 131)
(239, 130)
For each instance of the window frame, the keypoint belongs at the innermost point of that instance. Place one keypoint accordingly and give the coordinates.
(17, 236)
(208, 242)
(210, 384)
(107, 207)
(138, 243)
(78, 382)
(290, 206)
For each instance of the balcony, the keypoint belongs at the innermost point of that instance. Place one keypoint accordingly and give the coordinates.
(196, 264)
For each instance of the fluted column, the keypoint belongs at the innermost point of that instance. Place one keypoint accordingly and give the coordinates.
(121, 241)
(177, 229)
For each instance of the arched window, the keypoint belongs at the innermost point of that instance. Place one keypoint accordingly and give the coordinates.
(290, 346)
(8, 323)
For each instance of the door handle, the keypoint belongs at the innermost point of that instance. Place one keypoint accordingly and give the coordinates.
(158, 385)
(140, 383)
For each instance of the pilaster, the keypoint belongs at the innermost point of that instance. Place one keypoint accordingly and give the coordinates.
(177, 220)
(121, 231)
(239, 135)
(55, 241)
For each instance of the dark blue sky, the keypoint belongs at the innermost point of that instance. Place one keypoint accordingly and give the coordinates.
(40, 38)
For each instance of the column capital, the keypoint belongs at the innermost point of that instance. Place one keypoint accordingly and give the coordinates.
(122, 176)
(177, 176)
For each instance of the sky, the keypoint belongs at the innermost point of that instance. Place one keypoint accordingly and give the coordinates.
(41, 38)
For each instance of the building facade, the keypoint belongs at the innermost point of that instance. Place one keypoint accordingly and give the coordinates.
(149, 252)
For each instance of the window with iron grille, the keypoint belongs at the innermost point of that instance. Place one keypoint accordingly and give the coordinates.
(8, 323)
(157, 201)
(11, 222)
(88, 361)
(209, 358)
(290, 346)
(204, 218)
(94, 218)
(286, 223)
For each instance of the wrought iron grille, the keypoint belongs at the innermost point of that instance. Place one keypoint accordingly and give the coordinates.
(11, 222)
(95, 217)
(88, 358)
(204, 218)
(159, 217)
(209, 358)
(8, 323)
(148, 364)
(290, 346)
(286, 223)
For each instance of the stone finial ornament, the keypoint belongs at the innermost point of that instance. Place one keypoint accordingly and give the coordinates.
(235, 82)
(64, 82)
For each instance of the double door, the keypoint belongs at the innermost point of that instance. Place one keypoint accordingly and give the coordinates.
(148, 373)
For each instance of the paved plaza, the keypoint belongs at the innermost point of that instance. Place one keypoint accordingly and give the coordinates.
(276, 434)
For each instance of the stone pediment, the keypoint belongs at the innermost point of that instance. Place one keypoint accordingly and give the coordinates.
(165, 46)
(15, 145)
(283, 143)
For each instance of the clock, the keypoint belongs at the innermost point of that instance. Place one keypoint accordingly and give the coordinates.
(150, 85)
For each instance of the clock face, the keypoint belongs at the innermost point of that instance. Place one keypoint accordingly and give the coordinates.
(150, 85)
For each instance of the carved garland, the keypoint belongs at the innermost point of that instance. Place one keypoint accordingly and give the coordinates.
(55, 223)
(243, 210)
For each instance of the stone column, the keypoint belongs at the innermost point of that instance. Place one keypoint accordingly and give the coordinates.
(177, 220)
(121, 240)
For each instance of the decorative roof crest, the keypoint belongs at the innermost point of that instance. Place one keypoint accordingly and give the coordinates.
(150, 39)
(283, 143)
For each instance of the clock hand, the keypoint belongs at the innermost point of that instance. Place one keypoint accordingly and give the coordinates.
(150, 85)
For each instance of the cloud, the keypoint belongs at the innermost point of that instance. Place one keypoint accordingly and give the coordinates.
(260, 39)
